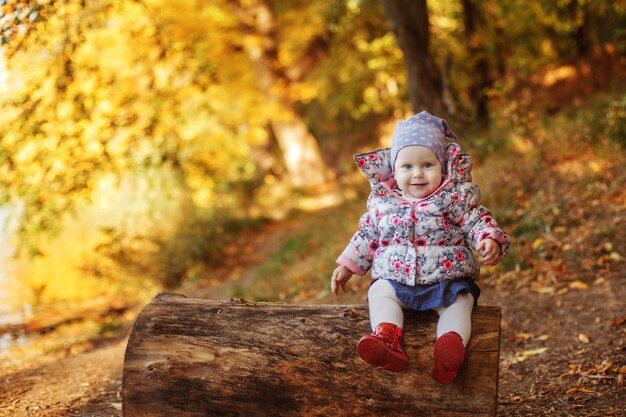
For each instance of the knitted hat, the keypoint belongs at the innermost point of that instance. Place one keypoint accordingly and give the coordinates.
(422, 129)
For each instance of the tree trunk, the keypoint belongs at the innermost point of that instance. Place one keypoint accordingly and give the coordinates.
(501, 44)
(582, 35)
(479, 69)
(301, 153)
(190, 357)
(408, 20)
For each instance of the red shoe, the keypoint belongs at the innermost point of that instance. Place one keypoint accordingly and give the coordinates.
(384, 348)
(449, 355)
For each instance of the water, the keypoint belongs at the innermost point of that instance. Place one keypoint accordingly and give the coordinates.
(10, 304)
(13, 307)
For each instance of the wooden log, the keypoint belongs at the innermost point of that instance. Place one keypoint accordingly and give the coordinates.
(192, 357)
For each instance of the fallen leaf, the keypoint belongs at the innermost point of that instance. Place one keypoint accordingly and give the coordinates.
(579, 285)
(580, 389)
(544, 290)
(351, 312)
(543, 337)
(522, 336)
(117, 406)
(618, 321)
(573, 370)
(538, 242)
(599, 281)
(562, 291)
(583, 338)
(614, 256)
(521, 357)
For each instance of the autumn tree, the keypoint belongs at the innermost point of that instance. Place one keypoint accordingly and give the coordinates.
(216, 93)
(113, 87)
(278, 81)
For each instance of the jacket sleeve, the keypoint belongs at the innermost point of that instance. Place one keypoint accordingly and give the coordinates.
(359, 253)
(478, 223)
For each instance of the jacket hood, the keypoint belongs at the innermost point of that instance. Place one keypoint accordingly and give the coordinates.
(376, 165)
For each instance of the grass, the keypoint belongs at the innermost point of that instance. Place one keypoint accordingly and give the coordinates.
(300, 269)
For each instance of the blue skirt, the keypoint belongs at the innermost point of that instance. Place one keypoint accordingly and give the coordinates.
(441, 294)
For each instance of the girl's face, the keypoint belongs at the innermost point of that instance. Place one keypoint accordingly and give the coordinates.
(417, 171)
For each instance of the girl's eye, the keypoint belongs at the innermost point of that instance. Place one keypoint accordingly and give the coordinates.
(428, 165)
(406, 166)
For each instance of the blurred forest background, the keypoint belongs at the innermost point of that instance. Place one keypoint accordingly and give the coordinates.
(148, 144)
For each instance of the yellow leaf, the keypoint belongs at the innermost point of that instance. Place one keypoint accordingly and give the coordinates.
(538, 242)
(583, 338)
(544, 290)
(562, 291)
(521, 357)
(595, 166)
(579, 285)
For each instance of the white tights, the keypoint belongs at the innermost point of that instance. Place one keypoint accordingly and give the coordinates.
(385, 307)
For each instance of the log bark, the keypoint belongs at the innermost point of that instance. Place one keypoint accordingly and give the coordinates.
(191, 357)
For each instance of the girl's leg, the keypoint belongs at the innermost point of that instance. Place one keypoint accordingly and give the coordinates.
(384, 346)
(453, 332)
(384, 305)
(457, 318)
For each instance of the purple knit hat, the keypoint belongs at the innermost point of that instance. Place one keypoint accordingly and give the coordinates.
(422, 129)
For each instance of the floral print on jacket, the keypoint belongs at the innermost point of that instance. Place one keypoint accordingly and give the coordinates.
(422, 242)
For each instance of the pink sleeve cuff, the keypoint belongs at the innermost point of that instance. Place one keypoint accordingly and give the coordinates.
(498, 237)
(347, 262)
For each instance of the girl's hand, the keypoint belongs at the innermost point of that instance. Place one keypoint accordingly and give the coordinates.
(490, 251)
(341, 275)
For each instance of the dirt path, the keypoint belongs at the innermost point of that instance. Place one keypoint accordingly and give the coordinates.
(87, 384)
(562, 354)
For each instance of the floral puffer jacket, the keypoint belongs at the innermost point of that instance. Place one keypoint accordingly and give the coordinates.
(422, 242)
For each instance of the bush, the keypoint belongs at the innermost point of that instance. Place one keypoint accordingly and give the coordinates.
(201, 240)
